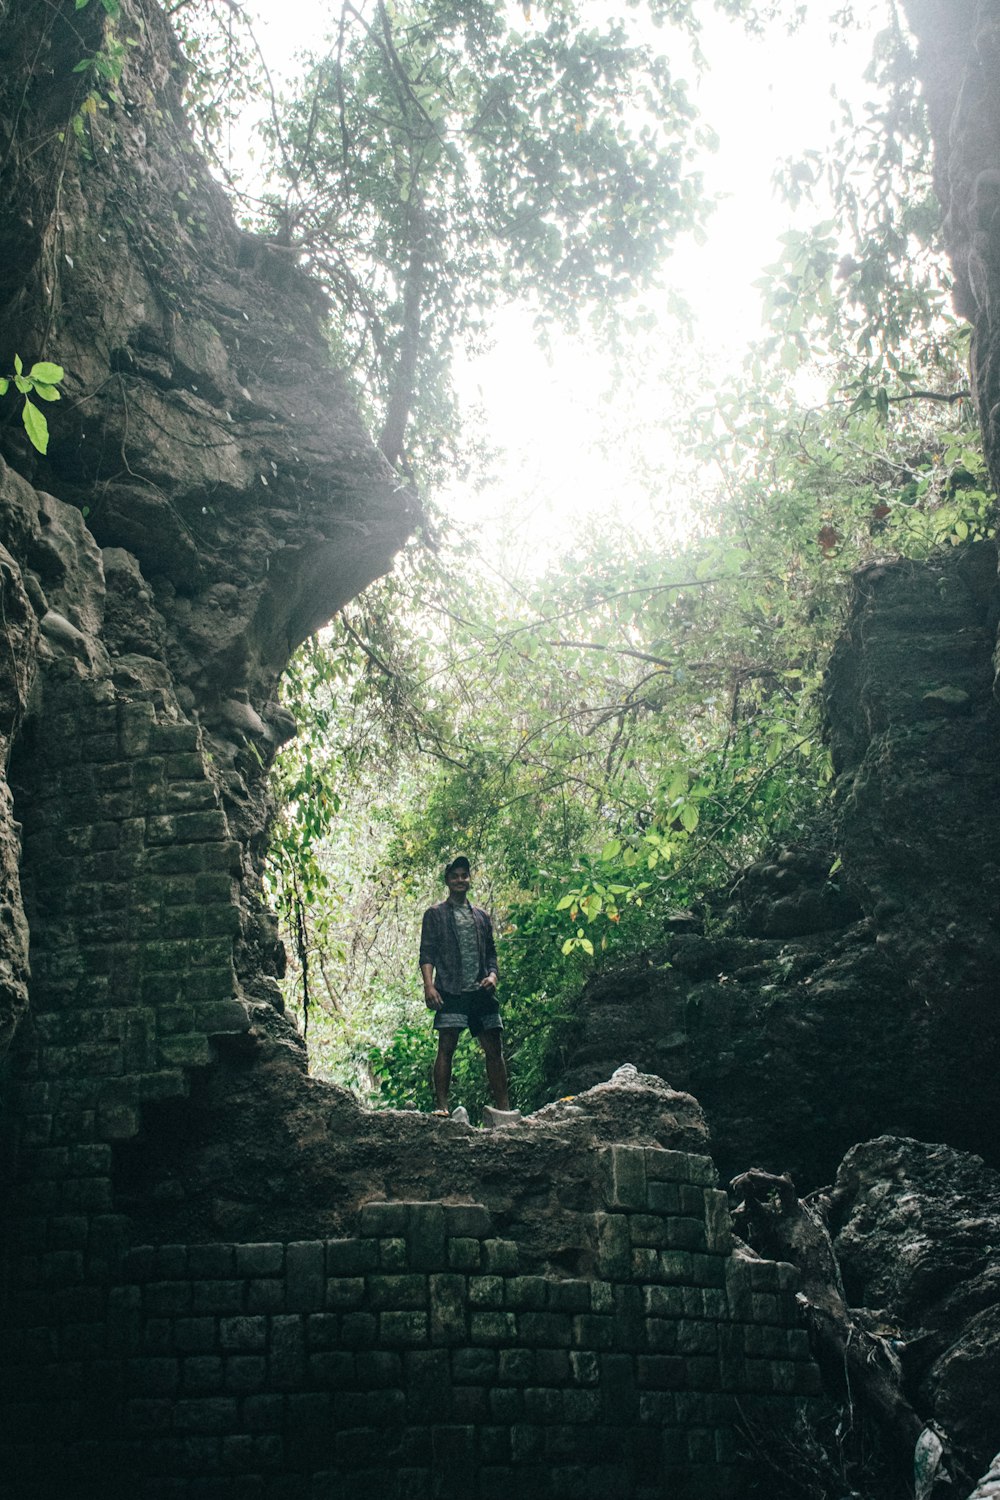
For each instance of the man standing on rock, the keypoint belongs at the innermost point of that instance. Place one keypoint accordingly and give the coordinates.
(458, 961)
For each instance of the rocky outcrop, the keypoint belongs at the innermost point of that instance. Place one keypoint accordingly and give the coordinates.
(850, 990)
(210, 496)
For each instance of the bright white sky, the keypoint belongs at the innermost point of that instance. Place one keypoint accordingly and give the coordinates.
(568, 454)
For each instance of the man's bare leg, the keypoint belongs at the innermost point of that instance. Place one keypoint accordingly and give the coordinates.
(496, 1069)
(447, 1042)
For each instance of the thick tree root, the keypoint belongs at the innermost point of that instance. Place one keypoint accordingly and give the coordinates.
(859, 1367)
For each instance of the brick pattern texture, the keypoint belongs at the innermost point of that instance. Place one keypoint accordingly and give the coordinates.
(413, 1360)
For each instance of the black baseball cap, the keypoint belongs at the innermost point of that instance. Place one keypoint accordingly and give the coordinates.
(458, 863)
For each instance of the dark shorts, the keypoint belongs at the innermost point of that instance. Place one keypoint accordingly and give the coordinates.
(478, 1011)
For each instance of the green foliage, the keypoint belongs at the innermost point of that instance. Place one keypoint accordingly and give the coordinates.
(41, 380)
(443, 159)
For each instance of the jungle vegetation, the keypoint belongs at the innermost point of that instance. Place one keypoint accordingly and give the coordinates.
(613, 736)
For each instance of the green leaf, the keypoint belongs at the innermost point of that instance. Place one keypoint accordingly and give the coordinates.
(83, 65)
(35, 426)
(23, 384)
(611, 850)
(587, 946)
(4, 385)
(18, 367)
(689, 817)
(566, 902)
(47, 392)
(47, 372)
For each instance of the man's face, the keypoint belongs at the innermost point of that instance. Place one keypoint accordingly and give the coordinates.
(458, 881)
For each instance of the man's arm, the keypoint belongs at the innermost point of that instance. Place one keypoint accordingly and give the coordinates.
(490, 954)
(428, 953)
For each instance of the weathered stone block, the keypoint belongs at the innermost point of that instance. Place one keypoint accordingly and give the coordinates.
(305, 1276)
(333, 1369)
(496, 1327)
(382, 1218)
(464, 1254)
(264, 1259)
(529, 1292)
(286, 1352)
(392, 1255)
(425, 1236)
(194, 1335)
(403, 1328)
(201, 1375)
(486, 1291)
(217, 1296)
(409, 1291)
(569, 1296)
(243, 1333)
(351, 1257)
(357, 1330)
(345, 1291)
(474, 1366)
(624, 1176)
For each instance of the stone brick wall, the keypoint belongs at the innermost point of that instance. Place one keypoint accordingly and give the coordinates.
(411, 1360)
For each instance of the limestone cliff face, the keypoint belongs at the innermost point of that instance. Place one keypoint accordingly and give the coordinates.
(210, 496)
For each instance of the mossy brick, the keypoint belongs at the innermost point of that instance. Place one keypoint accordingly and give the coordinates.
(425, 1370)
(448, 1308)
(201, 1375)
(408, 1329)
(209, 1414)
(213, 986)
(194, 1335)
(425, 1235)
(218, 1297)
(476, 1366)
(191, 1051)
(97, 749)
(486, 1291)
(219, 920)
(243, 1333)
(286, 1352)
(661, 1335)
(614, 1248)
(167, 738)
(464, 1254)
(322, 1330)
(763, 1275)
(185, 796)
(685, 1234)
(569, 1296)
(265, 1295)
(181, 922)
(506, 1404)
(305, 1275)
(227, 855)
(383, 1218)
(602, 1296)
(624, 1176)
(351, 1257)
(86, 1194)
(765, 1307)
(201, 827)
(378, 1369)
(246, 1372)
(184, 765)
(696, 1337)
(171, 1019)
(51, 1161)
(494, 1327)
(82, 1341)
(467, 1220)
(500, 1257)
(113, 776)
(331, 1369)
(148, 1376)
(664, 1301)
(648, 1230)
(166, 1298)
(343, 1292)
(527, 1292)
(545, 1329)
(264, 1413)
(93, 1059)
(212, 886)
(668, 1166)
(392, 1254)
(660, 1372)
(211, 952)
(358, 1330)
(165, 1083)
(644, 1264)
(177, 859)
(542, 1404)
(706, 1270)
(404, 1292)
(593, 1332)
